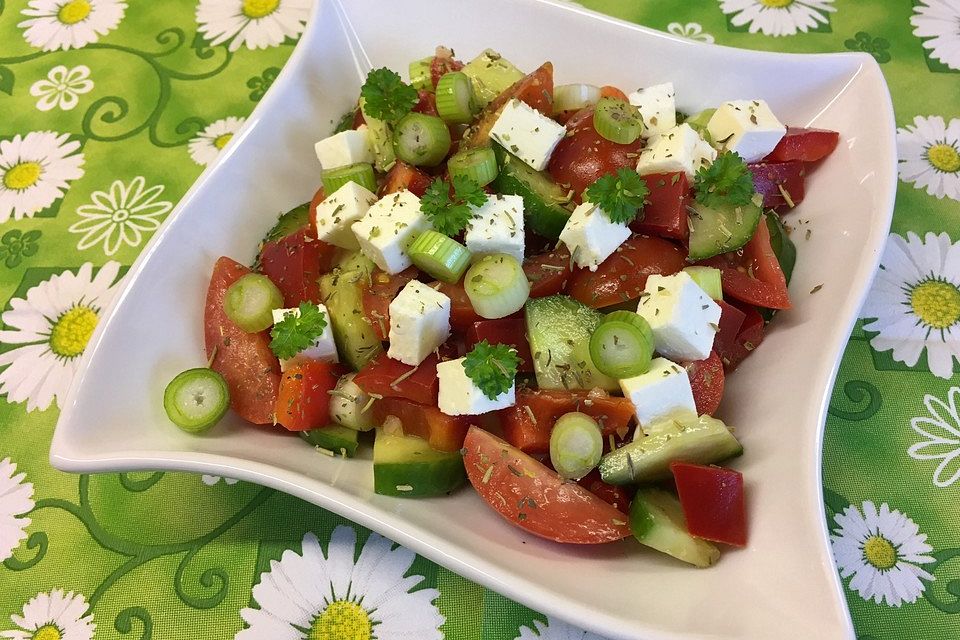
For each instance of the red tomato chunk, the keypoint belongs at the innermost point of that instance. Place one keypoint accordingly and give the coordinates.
(294, 263)
(379, 293)
(665, 211)
(707, 379)
(304, 399)
(780, 184)
(511, 331)
(390, 378)
(616, 497)
(712, 502)
(753, 274)
(548, 273)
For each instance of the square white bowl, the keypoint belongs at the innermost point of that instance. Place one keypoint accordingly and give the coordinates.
(784, 583)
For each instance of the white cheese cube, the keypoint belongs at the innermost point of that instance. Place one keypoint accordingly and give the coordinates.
(747, 127)
(683, 317)
(657, 106)
(419, 323)
(704, 154)
(497, 227)
(346, 147)
(672, 151)
(350, 406)
(389, 227)
(663, 391)
(323, 348)
(527, 133)
(591, 237)
(459, 396)
(339, 211)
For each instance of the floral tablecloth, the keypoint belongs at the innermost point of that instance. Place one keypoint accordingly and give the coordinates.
(108, 112)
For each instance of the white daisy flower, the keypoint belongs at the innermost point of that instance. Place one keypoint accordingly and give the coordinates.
(35, 170)
(16, 498)
(915, 300)
(929, 151)
(777, 17)
(62, 87)
(206, 145)
(53, 616)
(212, 480)
(555, 630)
(70, 24)
(942, 433)
(258, 24)
(52, 325)
(310, 595)
(882, 551)
(690, 30)
(120, 216)
(938, 20)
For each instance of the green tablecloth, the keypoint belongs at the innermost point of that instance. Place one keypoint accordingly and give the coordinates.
(108, 112)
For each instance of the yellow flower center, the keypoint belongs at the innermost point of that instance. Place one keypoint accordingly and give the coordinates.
(776, 4)
(221, 141)
(936, 303)
(879, 552)
(74, 11)
(254, 9)
(342, 620)
(944, 157)
(22, 176)
(72, 331)
(47, 632)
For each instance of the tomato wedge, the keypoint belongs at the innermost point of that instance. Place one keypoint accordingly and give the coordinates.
(318, 197)
(712, 502)
(773, 180)
(623, 275)
(404, 176)
(294, 263)
(748, 338)
(384, 376)
(616, 497)
(731, 319)
(443, 432)
(536, 499)
(753, 274)
(511, 331)
(806, 145)
(462, 315)
(706, 379)
(535, 89)
(304, 399)
(548, 273)
(244, 359)
(665, 211)
(378, 295)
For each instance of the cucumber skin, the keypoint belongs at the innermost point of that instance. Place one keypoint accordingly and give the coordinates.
(703, 241)
(543, 212)
(289, 223)
(381, 139)
(400, 460)
(333, 438)
(341, 293)
(782, 245)
(656, 520)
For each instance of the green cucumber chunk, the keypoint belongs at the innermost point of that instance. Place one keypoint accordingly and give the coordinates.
(545, 203)
(656, 520)
(559, 329)
(342, 291)
(342, 441)
(716, 230)
(407, 467)
(703, 440)
(783, 247)
(196, 399)
(491, 74)
(289, 223)
(381, 141)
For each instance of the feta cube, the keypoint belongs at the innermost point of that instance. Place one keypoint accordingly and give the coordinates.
(657, 106)
(323, 348)
(459, 396)
(747, 127)
(419, 323)
(389, 227)
(527, 133)
(339, 211)
(663, 391)
(497, 227)
(672, 151)
(346, 147)
(683, 317)
(704, 154)
(591, 237)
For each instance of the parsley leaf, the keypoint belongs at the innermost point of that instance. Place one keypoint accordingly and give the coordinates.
(492, 368)
(449, 215)
(386, 96)
(297, 331)
(620, 196)
(726, 181)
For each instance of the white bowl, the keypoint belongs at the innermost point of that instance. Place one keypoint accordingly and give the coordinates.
(784, 583)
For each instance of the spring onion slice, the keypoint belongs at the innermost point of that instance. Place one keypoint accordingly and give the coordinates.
(708, 279)
(573, 97)
(622, 345)
(455, 100)
(617, 121)
(196, 399)
(442, 257)
(421, 75)
(360, 173)
(421, 140)
(249, 302)
(576, 445)
(496, 286)
(478, 164)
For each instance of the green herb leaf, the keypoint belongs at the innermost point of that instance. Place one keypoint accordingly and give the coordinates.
(620, 196)
(386, 96)
(493, 368)
(449, 215)
(726, 181)
(297, 332)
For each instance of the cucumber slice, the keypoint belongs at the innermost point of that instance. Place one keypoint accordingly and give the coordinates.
(381, 141)
(704, 440)
(491, 74)
(545, 203)
(289, 223)
(783, 247)
(196, 399)
(656, 520)
(406, 466)
(342, 441)
(559, 329)
(716, 230)
(341, 290)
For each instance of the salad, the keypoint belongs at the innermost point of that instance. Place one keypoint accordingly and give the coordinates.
(535, 290)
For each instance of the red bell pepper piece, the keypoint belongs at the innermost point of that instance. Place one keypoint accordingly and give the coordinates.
(712, 502)
(392, 379)
(304, 399)
(707, 380)
(773, 180)
(806, 145)
(511, 331)
(665, 212)
(379, 293)
(443, 432)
